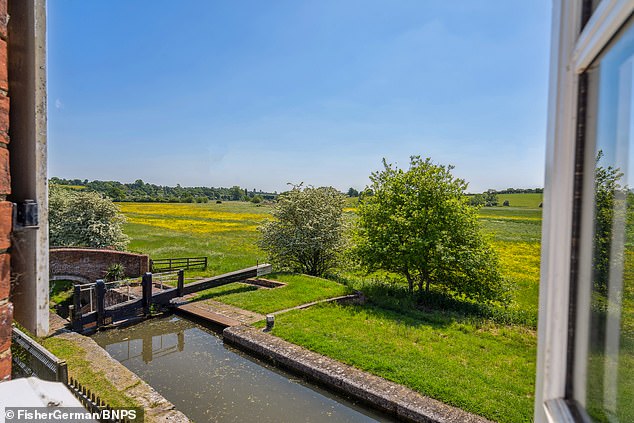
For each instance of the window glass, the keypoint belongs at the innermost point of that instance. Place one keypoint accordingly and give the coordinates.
(610, 125)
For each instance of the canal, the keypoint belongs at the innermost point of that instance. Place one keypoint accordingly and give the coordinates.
(211, 382)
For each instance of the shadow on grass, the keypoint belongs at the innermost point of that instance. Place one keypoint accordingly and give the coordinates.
(436, 305)
(222, 293)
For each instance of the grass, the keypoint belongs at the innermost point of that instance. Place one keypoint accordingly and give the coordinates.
(60, 291)
(486, 369)
(521, 200)
(623, 364)
(226, 232)
(300, 289)
(479, 358)
(80, 368)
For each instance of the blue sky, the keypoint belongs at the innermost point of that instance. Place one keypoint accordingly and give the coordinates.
(261, 93)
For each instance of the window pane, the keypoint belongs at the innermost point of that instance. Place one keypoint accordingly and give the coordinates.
(610, 366)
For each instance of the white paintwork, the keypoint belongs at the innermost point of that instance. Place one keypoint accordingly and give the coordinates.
(557, 210)
(604, 23)
(34, 392)
(571, 54)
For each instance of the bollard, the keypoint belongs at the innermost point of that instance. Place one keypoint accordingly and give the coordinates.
(270, 321)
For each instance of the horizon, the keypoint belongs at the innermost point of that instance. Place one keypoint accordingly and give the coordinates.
(258, 190)
(256, 95)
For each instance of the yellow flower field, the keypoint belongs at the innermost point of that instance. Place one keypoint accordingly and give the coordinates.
(193, 211)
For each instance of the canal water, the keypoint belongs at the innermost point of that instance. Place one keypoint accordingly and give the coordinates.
(211, 382)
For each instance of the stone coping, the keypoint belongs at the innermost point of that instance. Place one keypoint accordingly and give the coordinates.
(380, 393)
(264, 283)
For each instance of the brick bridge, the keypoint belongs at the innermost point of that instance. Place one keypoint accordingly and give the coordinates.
(87, 265)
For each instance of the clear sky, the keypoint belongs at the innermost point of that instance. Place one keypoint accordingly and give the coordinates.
(260, 93)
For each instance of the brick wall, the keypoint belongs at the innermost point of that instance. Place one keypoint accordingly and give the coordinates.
(6, 308)
(88, 265)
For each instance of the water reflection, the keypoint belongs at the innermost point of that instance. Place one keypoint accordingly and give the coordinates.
(190, 366)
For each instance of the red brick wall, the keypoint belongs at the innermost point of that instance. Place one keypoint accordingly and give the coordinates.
(6, 308)
(90, 265)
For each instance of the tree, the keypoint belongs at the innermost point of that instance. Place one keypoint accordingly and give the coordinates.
(306, 234)
(610, 207)
(476, 200)
(490, 198)
(418, 224)
(236, 193)
(84, 219)
(353, 192)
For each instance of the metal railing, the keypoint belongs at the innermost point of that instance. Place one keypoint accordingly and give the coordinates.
(31, 359)
(159, 279)
(95, 404)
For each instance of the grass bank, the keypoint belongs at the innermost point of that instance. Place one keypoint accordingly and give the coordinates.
(81, 369)
(484, 368)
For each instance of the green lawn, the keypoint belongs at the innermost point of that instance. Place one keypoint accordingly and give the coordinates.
(485, 369)
(300, 289)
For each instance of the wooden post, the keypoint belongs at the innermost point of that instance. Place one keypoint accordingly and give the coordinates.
(146, 284)
(77, 325)
(181, 283)
(205, 263)
(100, 291)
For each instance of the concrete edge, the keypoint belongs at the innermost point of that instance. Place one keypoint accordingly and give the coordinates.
(390, 397)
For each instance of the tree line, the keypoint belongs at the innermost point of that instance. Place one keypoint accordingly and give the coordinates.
(139, 191)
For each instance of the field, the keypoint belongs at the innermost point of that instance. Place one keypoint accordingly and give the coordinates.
(480, 359)
(226, 232)
(521, 200)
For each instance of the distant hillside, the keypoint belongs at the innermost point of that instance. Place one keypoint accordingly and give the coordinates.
(140, 191)
(529, 198)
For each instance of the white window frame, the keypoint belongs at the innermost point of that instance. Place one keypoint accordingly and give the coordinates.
(572, 51)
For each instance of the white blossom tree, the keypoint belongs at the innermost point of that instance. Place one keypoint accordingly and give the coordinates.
(81, 218)
(307, 233)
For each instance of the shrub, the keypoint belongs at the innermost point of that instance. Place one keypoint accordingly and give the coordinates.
(307, 233)
(115, 272)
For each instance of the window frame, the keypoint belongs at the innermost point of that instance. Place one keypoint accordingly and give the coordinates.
(562, 328)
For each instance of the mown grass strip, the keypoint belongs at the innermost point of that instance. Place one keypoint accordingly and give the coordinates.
(300, 289)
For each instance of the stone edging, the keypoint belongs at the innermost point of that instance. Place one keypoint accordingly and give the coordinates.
(388, 396)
